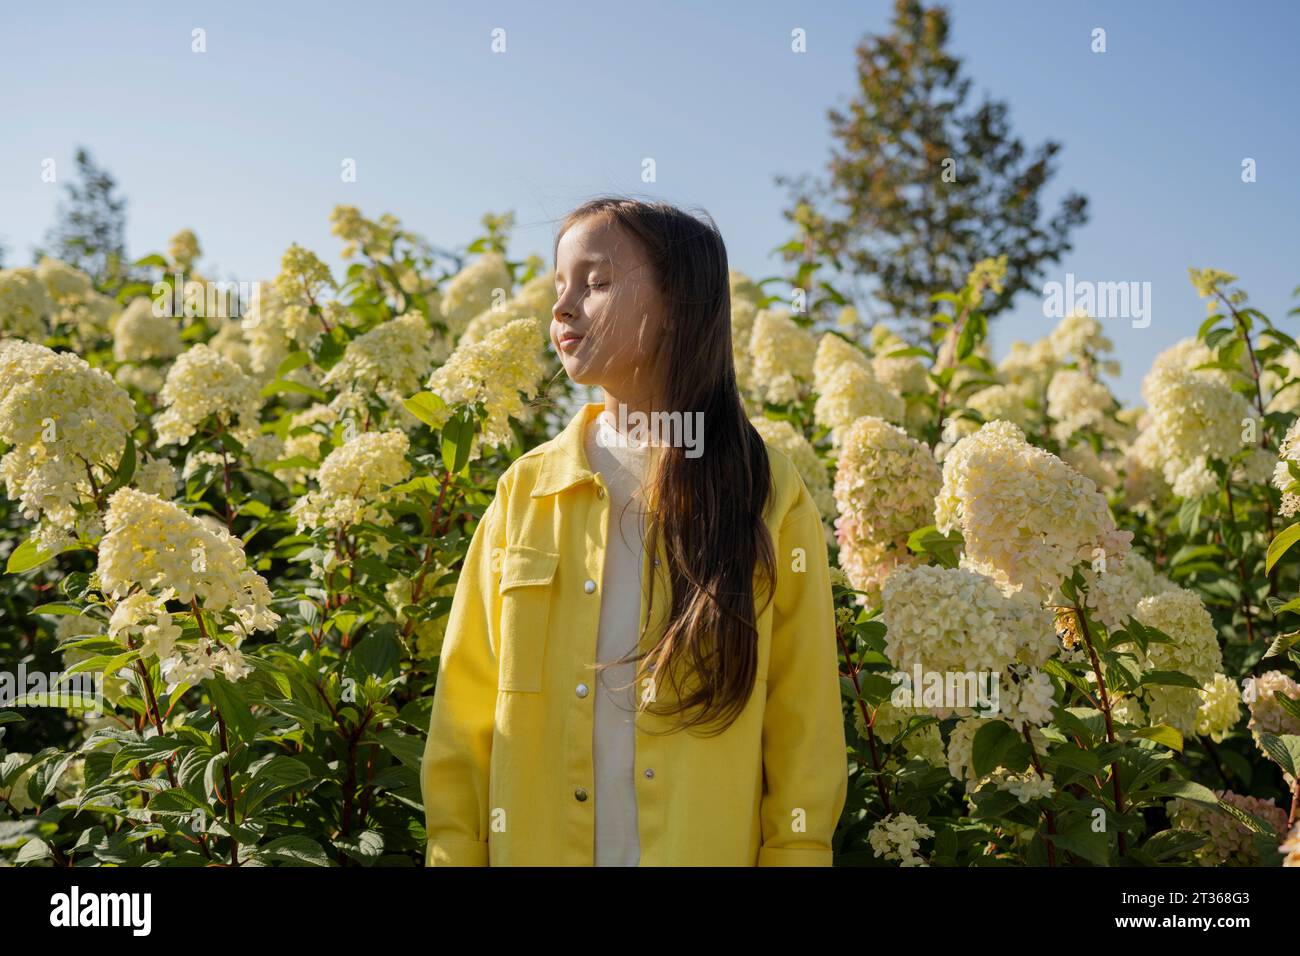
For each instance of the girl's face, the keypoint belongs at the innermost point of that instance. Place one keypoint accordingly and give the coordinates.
(606, 323)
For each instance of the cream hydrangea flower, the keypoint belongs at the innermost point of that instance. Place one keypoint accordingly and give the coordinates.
(1009, 403)
(1113, 595)
(352, 481)
(156, 476)
(951, 620)
(783, 354)
(139, 335)
(156, 546)
(391, 360)
(1078, 337)
(301, 284)
(495, 371)
(743, 313)
(23, 305)
(852, 393)
(202, 383)
(1194, 417)
(833, 352)
(1077, 401)
(885, 483)
(1282, 480)
(1220, 708)
(1029, 365)
(66, 424)
(1028, 519)
(473, 290)
(783, 436)
(308, 440)
(1180, 614)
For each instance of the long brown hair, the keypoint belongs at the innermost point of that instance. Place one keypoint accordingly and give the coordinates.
(708, 509)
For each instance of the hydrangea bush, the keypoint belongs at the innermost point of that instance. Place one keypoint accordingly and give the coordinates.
(249, 520)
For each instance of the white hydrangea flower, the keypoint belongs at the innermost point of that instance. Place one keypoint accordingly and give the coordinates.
(1220, 708)
(897, 837)
(1194, 651)
(391, 360)
(853, 393)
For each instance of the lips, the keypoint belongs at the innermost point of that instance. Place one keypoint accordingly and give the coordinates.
(569, 341)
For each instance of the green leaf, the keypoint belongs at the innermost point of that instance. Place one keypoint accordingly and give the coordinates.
(1280, 545)
(990, 747)
(1284, 750)
(294, 360)
(25, 557)
(233, 707)
(425, 406)
(125, 468)
(457, 436)
(1162, 734)
(284, 385)
(56, 608)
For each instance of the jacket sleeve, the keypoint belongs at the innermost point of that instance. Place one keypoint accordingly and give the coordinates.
(457, 753)
(805, 762)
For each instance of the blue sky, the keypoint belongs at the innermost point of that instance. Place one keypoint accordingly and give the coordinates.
(244, 143)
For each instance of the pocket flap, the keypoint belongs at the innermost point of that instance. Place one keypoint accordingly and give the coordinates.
(524, 565)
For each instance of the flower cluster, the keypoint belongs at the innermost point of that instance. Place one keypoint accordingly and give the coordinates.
(352, 481)
(885, 483)
(1027, 517)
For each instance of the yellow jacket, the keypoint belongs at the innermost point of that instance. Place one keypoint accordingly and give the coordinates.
(507, 776)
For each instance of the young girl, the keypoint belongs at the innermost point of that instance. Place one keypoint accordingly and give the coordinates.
(640, 664)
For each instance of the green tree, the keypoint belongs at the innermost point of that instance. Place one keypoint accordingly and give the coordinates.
(90, 232)
(923, 184)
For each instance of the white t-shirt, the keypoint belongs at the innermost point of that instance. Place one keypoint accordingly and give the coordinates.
(623, 466)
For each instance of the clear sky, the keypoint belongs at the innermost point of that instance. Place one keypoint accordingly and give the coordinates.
(244, 143)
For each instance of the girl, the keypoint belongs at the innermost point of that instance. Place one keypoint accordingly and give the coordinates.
(663, 691)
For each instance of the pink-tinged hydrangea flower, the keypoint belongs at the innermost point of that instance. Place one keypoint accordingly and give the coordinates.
(1231, 843)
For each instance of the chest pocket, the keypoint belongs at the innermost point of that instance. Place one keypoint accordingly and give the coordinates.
(526, 578)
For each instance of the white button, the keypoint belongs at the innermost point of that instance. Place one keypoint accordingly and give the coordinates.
(649, 773)
(590, 586)
(656, 562)
(582, 690)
